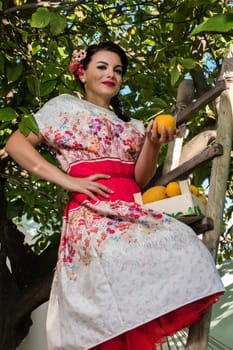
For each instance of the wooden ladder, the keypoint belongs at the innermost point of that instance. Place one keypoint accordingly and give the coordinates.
(220, 154)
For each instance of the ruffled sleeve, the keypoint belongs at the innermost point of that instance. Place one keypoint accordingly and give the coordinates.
(50, 113)
(138, 125)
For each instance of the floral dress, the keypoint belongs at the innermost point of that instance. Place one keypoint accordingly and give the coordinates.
(126, 276)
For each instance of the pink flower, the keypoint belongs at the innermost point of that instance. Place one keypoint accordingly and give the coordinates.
(76, 68)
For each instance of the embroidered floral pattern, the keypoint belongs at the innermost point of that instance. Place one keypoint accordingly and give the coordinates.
(87, 136)
(86, 230)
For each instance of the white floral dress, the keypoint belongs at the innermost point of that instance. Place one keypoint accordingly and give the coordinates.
(119, 265)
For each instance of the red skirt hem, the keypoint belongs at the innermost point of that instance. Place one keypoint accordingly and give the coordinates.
(150, 334)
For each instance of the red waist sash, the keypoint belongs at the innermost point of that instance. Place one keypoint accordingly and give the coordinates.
(121, 180)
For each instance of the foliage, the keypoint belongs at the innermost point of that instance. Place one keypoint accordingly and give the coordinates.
(35, 48)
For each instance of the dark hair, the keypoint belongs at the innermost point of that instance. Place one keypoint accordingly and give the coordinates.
(108, 46)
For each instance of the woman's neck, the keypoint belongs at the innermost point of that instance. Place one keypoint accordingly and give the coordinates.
(99, 101)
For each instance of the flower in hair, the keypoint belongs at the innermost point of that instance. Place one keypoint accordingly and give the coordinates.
(76, 67)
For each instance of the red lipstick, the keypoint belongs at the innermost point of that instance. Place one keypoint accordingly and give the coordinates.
(109, 83)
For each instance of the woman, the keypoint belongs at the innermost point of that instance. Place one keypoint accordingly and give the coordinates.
(126, 276)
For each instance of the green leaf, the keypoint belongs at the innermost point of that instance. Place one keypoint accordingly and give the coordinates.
(40, 18)
(29, 122)
(57, 23)
(25, 35)
(219, 23)
(51, 72)
(158, 102)
(149, 41)
(33, 85)
(13, 71)
(24, 129)
(35, 48)
(8, 113)
(14, 209)
(190, 210)
(175, 74)
(52, 47)
(47, 87)
(188, 63)
(62, 52)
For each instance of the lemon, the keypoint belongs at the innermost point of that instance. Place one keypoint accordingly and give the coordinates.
(194, 190)
(153, 194)
(173, 189)
(132, 31)
(202, 198)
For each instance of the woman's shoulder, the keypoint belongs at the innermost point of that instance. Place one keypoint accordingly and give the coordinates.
(60, 104)
(137, 124)
(56, 107)
(63, 100)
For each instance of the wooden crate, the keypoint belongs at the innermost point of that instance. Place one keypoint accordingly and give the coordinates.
(184, 204)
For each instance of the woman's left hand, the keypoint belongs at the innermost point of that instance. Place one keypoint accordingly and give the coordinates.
(167, 135)
(147, 161)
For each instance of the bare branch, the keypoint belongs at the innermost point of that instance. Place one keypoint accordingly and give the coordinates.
(197, 145)
(202, 101)
(198, 51)
(34, 296)
(46, 4)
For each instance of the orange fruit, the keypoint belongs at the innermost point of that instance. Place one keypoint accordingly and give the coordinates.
(153, 194)
(132, 31)
(173, 189)
(202, 198)
(166, 120)
(194, 190)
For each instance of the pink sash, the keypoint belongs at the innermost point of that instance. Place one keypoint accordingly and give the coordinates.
(122, 180)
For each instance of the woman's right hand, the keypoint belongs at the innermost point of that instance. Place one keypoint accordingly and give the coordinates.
(88, 185)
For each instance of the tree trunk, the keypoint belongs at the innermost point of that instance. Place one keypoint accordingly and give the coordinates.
(8, 295)
(25, 281)
(198, 333)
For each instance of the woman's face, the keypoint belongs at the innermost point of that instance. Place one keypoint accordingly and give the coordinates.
(102, 78)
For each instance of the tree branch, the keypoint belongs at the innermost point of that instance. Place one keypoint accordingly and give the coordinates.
(33, 297)
(46, 4)
(198, 51)
(209, 96)
(37, 292)
(197, 145)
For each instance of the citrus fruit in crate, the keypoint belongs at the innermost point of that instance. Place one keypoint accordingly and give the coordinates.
(202, 198)
(173, 189)
(194, 190)
(155, 193)
(166, 120)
